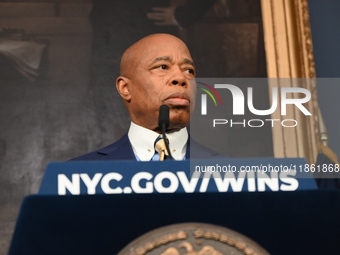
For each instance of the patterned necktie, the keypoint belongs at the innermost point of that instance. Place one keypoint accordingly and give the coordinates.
(161, 149)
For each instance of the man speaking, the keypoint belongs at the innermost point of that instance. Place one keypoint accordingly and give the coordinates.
(156, 71)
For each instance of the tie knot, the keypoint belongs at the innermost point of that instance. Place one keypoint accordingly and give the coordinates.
(161, 148)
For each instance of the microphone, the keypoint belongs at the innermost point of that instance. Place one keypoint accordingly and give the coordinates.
(163, 119)
(163, 123)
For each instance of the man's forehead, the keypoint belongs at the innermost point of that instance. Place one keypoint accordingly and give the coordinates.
(154, 48)
(185, 60)
(159, 46)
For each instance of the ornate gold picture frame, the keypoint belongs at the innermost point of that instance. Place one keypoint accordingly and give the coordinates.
(289, 54)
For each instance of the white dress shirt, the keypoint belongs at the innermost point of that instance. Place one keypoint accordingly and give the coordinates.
(143, 139)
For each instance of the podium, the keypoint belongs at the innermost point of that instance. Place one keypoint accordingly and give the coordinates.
(299, 222)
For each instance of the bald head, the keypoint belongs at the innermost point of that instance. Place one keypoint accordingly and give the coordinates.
(135, 53)
(154, 71)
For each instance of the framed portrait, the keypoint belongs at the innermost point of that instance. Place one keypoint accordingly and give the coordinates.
(257, 39)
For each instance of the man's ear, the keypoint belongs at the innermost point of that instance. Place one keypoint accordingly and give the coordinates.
(122, 85)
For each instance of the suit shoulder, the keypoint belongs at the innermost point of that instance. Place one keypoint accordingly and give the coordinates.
(120, 149)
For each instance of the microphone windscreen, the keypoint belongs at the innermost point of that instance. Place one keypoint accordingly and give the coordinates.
(163, 116)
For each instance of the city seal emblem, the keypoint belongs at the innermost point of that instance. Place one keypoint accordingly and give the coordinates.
(193, 239)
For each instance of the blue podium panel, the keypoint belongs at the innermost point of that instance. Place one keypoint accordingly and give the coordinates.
(192, 176)
(294, 223)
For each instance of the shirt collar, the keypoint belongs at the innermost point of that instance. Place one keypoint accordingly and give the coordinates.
(142, 141)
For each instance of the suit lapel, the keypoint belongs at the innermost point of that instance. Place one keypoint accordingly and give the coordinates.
(198, 151)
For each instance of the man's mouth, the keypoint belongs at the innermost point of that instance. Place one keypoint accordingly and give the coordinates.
(178, 99)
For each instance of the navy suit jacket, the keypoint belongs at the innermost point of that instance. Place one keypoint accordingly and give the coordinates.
(122, 150)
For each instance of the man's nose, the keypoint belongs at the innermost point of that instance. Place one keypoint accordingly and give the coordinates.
(178, 77)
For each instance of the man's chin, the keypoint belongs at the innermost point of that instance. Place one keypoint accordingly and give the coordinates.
(176, 125)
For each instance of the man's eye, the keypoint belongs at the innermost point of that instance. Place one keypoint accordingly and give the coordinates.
(164, 67)
(191, 71)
